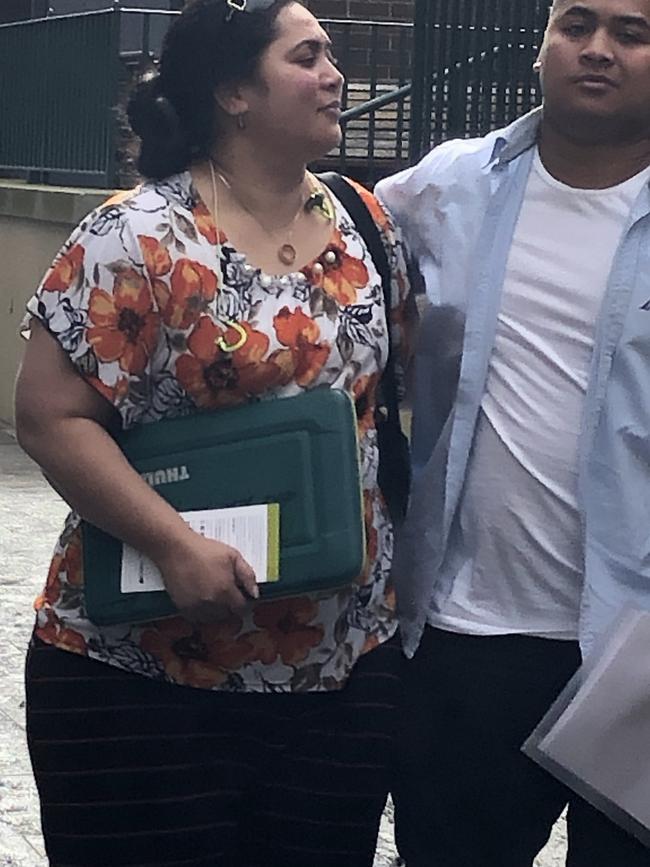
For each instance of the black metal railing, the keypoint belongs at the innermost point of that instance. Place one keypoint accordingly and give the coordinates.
(470, 69)
(377, 60)
(475, 65)
(58, 79)
(461, 68)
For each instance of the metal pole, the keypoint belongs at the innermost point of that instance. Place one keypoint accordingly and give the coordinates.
(110, 178)
(418, 93)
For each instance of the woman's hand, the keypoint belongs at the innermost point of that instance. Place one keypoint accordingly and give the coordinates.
(206, 579)
(61, 422)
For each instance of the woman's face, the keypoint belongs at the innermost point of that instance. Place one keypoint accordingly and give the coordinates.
(295, 102)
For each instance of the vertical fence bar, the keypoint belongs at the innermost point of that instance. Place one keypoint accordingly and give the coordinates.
(500, 64)
(372, 119)
(113, 90)
(146, 35)
(430, 67)
(401, 79)
(438, 71)
(418, 93)
(474, 90)
(458, 70)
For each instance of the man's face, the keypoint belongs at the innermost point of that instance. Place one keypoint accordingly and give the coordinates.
(596, 67)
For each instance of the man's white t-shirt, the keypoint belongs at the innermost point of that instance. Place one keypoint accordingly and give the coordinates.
(519, 513)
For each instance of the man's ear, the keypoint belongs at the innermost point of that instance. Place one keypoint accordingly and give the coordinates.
(231, 100)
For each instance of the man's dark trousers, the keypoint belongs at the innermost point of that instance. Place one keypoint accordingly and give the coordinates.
(466, 796)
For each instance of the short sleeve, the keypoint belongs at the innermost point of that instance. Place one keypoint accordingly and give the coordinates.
(96, 300)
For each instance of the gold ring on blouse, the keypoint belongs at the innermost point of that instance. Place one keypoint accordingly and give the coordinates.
(233, 347)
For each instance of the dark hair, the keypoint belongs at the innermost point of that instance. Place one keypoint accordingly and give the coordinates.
(172, 110)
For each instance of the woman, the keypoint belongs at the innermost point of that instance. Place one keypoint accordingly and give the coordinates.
(230, 236)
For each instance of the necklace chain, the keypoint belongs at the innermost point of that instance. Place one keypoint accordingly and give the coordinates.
(286, 252)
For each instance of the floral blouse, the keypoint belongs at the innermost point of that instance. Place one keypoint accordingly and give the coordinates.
(138, 298)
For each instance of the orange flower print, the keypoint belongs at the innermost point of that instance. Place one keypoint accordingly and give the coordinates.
(193, 287)
(254, 375)
(205, 224)
(371, 642)
(73, 560)
(201, 656)
(67, 567)
(342, 278)
(157, 260)
(121, 196)
(288, 633)
(301, 334)
(372, 546)
(55, 633)
(296, 327)
(114, 394)
(214, 378)
(124, 325)
(390, 598)
(65, 270)
(364, 393)
(52, 592)
(371, 202)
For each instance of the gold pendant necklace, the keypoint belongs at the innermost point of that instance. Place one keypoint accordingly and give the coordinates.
(286, 252)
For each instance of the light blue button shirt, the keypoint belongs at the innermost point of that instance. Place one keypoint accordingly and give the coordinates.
(458, 209)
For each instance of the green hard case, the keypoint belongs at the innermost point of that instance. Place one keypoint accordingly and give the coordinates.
(300, 452)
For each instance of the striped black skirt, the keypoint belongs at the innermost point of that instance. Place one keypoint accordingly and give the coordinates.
(132, 771)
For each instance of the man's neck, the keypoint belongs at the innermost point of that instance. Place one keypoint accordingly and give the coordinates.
(591, 166)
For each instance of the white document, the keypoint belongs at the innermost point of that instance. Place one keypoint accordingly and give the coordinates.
(596, 738)
(246, 528)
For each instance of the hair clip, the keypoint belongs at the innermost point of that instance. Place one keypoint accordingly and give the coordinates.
(247, 6)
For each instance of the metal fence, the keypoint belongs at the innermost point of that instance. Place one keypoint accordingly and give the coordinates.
(461, 68)
(58, 79)
(470, 69)
(475, 65)
(376, 58)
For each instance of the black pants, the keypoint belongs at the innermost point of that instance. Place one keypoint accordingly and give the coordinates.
(466, 795)
(132, 771)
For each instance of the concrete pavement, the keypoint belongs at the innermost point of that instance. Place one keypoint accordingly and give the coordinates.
(31, 515)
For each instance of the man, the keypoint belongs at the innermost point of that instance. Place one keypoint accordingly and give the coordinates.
(529, 525)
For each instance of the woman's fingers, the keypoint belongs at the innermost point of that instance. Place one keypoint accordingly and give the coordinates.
(207, 580)
(245, 577)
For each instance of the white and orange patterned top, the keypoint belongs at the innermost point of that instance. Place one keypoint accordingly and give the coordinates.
(137, 298)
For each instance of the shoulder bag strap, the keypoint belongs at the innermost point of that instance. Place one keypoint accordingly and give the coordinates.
(367, 228)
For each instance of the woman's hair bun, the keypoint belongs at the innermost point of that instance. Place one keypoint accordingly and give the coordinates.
(145, 107)
(164, 148)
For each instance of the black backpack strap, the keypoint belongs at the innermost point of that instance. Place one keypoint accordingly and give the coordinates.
(394, 473)
(367, 228)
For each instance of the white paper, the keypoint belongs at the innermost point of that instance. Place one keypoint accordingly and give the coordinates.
(242, 527)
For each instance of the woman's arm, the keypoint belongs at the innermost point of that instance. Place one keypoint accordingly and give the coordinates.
(61, 422)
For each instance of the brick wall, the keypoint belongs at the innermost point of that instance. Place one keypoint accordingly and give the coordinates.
(375, 10)
(387, 51)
